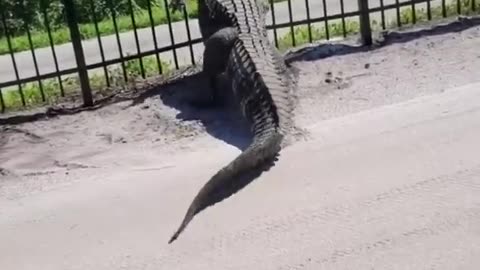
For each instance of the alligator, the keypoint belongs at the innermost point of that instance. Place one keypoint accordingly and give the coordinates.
(236, 44)
(208, 27)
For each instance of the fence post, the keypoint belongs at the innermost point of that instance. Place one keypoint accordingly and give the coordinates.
(365, 30)
(78, 50)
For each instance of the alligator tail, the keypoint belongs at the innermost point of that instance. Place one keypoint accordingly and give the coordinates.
(256, 158)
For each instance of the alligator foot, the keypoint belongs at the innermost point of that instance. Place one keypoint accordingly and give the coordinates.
(210, 99)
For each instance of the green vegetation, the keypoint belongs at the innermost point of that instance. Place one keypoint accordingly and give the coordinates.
(61, 34)
(51, 87)
(71, 84)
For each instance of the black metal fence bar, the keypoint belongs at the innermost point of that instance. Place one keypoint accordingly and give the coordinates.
(79, 56)
(170, 30)
(137, 43)
(365, 30)
(382, 14)
(82, 68)
(2, 102)
(189, 37)
(399, 19)
(309, 25)
(325, 15)
(99, 40)
(290, 17)
(52, 46)
(117, 35)
(414, 14)
(275, 34)
(34, 57)
(429, 11)
(154, 36)
(12, 56)
(444, 8)
(342, 12)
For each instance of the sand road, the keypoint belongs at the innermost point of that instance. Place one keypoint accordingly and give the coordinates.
(364, 194)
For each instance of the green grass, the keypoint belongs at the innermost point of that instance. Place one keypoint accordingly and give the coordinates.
(71, 84)
(51, 86)
(61, 35)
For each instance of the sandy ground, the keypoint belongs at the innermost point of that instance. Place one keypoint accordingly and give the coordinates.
(388, 177)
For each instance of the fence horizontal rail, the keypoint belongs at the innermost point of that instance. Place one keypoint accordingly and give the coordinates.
(344, 15)
(100, 64)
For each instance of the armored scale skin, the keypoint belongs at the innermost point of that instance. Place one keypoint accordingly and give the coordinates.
(237, 45)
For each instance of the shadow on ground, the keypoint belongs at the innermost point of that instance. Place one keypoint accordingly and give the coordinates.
(325, 50)
(222, 122)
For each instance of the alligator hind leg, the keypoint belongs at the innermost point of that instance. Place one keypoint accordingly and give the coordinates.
(215, 58)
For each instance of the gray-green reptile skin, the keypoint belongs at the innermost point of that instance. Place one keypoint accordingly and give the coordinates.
(236, 44)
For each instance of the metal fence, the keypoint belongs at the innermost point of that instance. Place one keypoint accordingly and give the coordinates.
(317, 22)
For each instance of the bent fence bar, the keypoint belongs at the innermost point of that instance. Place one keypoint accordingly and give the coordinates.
(19, 38)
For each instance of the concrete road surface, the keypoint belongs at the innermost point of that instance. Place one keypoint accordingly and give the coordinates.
(395, 187)
(66, 58)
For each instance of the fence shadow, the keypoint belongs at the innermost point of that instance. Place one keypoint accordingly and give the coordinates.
(386, 38)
